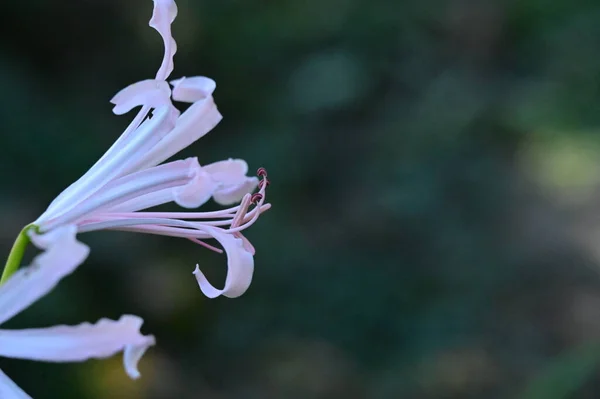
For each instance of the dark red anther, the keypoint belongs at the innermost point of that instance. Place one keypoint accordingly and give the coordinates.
(262, 172)
(262, 183)
(256, 197)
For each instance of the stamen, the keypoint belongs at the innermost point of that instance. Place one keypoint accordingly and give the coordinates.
(256, 197)
(242, 211)
(205, 245)
(263, 182)
(261, 172)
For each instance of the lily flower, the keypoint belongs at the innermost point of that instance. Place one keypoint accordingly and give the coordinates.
(63, 253)
(131, 176)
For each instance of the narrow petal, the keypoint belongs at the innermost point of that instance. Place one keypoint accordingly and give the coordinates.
(163, 15)
(194, 123)
(154, 93)
(231, 194)
(191, 195)
(81, 342)
(131, 357)
(169, 175)
(109, 167)
(63, 253)
(240, 267)
(10, 390)
(193, 89)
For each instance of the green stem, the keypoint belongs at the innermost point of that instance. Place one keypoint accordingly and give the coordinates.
(16, 254)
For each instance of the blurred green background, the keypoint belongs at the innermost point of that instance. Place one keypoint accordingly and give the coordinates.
(435, 187)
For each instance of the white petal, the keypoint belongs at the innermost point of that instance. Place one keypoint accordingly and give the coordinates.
(144, 201)
(154, 93)
(81, 342)
(193, 89)
(192, 195)
(240, 267)
(194, 123)
(169, 175)
(62, 256)
(10, 390)
(231, 171)
(197, 191)
(109, 167)
(233, 183)
(163, 15)
(231, 194)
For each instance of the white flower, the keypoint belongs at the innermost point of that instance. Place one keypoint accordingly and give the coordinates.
(63, 253)
(130, 178)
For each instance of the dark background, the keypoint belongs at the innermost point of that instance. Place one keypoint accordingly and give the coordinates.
(435, 188)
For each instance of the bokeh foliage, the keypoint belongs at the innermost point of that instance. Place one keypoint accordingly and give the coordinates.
(435, 166)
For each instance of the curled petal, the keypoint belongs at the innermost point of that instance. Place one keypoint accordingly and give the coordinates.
(192, 89)
(63, 253)
(10, 390)
(232, 179)
(80, 342)
(197, 191)
(231, 194)
(240, 267)
(231, 171)
(132, 355)
(154, 93)
(163, 15)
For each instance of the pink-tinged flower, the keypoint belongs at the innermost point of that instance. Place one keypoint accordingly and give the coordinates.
(130, 177)
(63, 253)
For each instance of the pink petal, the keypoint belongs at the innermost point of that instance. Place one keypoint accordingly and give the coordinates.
(163, 15)
(78, 343)
(154, 93)
(10, 390)
(169, 175)
(193, 89)
(197, 191)
(231, 194)
(231, 171)
(233, 183)
(240, 267)
(63, 253)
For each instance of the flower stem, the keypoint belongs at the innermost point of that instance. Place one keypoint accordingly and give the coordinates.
(16, 254)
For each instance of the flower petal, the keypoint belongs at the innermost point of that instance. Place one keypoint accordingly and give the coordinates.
(197, 191)
(193, 89)
(112, 166)
(80, 342)
(231, 194)
(191, 195)
(163, 15)
(62, 256)
(240, 267)
(168, 175)
(154, 93)
(233, 183)
(10, 390)
(230, 171)
(195, 122)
